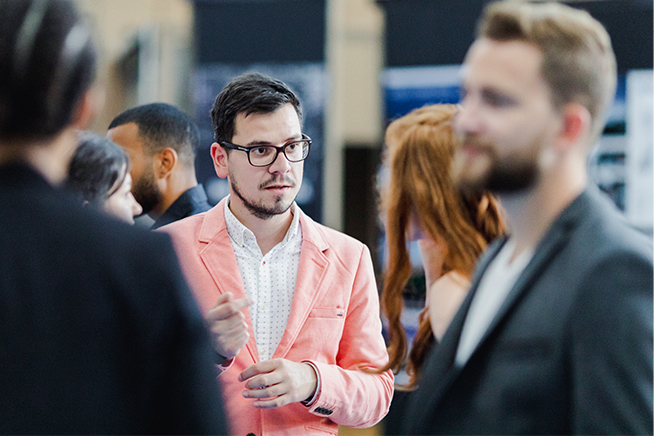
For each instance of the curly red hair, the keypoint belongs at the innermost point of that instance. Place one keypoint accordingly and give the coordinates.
(420, 149)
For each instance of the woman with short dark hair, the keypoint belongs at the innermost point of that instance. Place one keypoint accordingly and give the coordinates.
(99, 175)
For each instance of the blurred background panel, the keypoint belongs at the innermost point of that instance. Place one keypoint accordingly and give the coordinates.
(284, 39)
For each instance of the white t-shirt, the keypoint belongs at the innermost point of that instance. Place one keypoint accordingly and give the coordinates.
(495, 285)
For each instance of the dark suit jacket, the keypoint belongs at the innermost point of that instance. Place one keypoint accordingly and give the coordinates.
(191, 202)
(98, 331)
(570, 350)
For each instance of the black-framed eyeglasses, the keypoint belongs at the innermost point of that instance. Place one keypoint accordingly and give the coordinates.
(264, 155)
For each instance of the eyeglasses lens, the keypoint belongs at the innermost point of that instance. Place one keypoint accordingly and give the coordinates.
(265, 155)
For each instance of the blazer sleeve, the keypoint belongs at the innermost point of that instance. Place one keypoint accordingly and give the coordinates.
(349, 394)
(612, 348)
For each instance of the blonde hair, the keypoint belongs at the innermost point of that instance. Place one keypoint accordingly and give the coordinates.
(578, 60)
(420, 149)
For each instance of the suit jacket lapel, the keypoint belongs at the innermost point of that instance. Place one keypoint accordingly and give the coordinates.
(219, 259)
(550, 244)
(450, 342)
(440, 370)
(310, 282)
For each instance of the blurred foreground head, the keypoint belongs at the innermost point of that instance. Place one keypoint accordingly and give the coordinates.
(578, 62)
(47, 63)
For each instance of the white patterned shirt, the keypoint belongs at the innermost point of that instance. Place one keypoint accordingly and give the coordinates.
(268, 280)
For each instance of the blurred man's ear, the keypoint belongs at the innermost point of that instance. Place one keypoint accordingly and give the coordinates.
(575, 128)
(88, 107)
(165, 161)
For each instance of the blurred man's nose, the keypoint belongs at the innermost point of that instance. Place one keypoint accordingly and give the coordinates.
(467, 119)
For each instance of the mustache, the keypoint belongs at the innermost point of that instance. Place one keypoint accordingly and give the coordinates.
(286, 181)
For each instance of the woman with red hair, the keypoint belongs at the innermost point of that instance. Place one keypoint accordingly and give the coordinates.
(421, 202)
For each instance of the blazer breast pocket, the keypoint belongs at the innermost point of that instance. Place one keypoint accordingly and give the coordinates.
(322, 333)
(327, 312)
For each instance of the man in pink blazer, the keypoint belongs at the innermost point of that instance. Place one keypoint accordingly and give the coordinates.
(292, 305)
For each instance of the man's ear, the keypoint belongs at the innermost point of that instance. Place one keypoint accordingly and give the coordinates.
(219, 157)
(87, 108)
(164, 162)
(575, 127)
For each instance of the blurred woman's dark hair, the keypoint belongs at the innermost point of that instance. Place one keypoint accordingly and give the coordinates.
(97, 169)
(47, 62)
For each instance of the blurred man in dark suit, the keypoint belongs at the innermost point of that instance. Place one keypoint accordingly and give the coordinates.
(161, 141)
(555, 336)
(99, 333)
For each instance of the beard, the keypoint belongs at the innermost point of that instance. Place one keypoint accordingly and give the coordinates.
(511, 174)
(258, 208)
(146, 191)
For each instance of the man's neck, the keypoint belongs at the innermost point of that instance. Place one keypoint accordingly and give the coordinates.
(531, 212)
(171, 189)
(269, 232)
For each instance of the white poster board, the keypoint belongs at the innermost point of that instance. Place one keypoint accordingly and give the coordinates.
(639, 156)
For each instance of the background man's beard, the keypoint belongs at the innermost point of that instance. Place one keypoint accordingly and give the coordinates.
(503, 178)
(501, 175)
(261, 211)
(515, 177)
(146, 192)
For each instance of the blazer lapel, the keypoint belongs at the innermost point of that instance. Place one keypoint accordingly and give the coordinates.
(440, 371)
(551, 244)
(450, 342)
(219, 259)
(310, 282)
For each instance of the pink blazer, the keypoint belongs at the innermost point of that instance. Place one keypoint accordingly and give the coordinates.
(334, 324)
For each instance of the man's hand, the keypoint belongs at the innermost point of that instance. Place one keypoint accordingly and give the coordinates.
(226, 322)
(281, 381)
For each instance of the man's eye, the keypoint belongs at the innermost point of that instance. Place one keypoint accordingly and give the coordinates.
(261, 151)
(292, 146)
(497, 100)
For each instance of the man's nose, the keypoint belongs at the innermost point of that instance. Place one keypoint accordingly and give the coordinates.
(281, 164)
(467, 118)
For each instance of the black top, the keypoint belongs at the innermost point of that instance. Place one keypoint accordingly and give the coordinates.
(192, 201)
(99, 333)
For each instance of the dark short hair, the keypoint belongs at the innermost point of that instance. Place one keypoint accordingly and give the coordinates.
(98, 167)
(162, 125)
(47, 62)
(249, 93)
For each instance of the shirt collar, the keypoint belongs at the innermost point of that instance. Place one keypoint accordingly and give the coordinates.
(239, 233)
